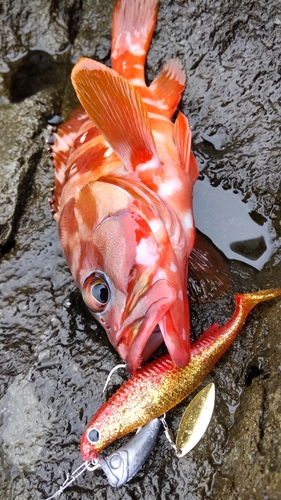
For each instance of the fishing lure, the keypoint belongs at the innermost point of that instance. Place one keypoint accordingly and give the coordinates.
(161, 385)
(122, 465)
(124, 176)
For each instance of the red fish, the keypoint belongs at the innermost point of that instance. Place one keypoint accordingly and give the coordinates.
(160, 385)
(124, 175)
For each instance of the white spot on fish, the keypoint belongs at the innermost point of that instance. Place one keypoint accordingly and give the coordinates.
(73, 168)
(108, 152)
(180, 296)
(146, 252)
(138, 66)
(83, 138)
(138, 82)
(154, 102)
(156, 225)
(173, 267)
(183, 334)
(157, 116)
(187, 221)
(169, 187)
(153, 164)
(134, 48)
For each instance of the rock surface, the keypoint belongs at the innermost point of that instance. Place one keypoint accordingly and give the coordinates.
(54, 358)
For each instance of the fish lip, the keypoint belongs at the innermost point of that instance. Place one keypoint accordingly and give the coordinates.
(139, 325)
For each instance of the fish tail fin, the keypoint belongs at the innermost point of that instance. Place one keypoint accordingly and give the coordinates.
(168, 87)
(132, 28)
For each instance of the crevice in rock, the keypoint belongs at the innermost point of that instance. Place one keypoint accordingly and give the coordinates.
(252, 372)
(23, 193)
(72, 16)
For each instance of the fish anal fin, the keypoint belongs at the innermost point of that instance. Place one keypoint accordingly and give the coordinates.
(209, 274)
(168, 86)
(117, 110)
(182, 135)
(132, 28)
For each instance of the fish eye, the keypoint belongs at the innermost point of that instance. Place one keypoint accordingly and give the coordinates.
(96, 293)
(93, 436)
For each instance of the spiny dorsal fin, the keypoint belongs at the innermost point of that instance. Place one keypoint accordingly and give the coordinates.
(117, 110)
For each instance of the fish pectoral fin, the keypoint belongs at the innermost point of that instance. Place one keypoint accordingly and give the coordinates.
(118, 112)
(182, 135)
(168, 86)
(209, 273)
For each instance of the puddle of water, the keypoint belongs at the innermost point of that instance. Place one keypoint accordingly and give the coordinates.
(234, 227)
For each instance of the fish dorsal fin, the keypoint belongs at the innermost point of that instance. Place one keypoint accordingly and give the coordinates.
(117, 110)
(182, 135)
(168, 86)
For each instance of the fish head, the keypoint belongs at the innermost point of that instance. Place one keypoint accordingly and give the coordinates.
(124, 264)
(125, 285)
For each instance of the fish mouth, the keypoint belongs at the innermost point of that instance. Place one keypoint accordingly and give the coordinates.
(139, 335)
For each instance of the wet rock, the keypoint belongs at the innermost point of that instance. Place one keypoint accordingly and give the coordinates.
(22, 147)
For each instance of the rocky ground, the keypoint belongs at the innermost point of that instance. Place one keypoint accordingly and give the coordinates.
(54, 358)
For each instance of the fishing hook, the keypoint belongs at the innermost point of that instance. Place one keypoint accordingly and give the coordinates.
(111, 373)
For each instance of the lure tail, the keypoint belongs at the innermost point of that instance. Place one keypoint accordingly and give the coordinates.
(219, 339)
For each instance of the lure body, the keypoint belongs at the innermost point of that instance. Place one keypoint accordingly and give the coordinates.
(161, 385)
(124, 176)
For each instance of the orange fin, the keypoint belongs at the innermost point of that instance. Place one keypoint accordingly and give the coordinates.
(209, 274)
(117, 110)
(182, 135)
(132, 28)
(169, 85)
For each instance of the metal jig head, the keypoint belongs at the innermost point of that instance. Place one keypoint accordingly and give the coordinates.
(123, 464)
